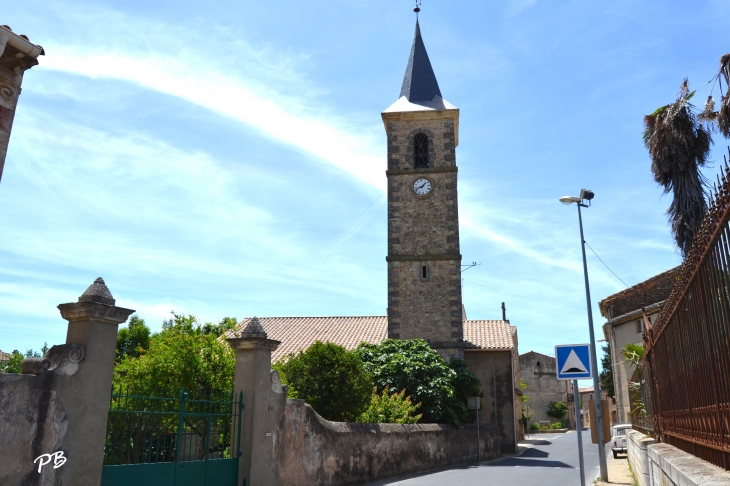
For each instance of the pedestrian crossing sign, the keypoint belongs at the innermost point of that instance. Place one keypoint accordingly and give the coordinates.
(573, 361)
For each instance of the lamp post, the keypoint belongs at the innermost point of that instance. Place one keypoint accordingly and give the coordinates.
(586, 195)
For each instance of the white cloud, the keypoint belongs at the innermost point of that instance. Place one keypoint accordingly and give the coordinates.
(228, 77)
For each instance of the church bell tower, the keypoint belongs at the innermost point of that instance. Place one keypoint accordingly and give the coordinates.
(424, 260)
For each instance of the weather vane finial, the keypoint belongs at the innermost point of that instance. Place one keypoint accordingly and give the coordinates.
(418, 7)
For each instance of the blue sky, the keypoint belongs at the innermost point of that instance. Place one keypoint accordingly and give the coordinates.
(227, 158)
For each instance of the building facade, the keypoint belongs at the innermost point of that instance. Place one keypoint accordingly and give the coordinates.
(539, 372)
(624, 325)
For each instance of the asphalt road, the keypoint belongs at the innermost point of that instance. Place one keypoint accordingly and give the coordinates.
(551, 461)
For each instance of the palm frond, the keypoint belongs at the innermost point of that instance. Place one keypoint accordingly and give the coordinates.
(679, 143)
(723, 116)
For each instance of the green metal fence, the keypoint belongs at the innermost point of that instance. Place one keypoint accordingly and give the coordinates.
(162, 437)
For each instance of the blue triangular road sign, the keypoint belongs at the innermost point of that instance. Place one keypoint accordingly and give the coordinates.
(573, 361)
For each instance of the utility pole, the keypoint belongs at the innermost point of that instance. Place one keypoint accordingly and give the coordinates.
(594, 361)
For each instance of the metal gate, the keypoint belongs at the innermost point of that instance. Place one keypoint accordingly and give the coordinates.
(158, 438)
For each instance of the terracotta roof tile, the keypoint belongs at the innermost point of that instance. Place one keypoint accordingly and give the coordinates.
(489, 335)
(298, 333)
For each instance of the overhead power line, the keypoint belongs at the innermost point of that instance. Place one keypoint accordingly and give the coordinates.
(519, 296)
(604, 264)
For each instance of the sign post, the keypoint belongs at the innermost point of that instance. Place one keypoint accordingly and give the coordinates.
(475, 404)
(579, 430)
(573, 363)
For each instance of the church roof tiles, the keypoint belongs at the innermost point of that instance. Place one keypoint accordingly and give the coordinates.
(298, 333)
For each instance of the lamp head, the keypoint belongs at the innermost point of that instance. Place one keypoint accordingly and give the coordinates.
(569, 199)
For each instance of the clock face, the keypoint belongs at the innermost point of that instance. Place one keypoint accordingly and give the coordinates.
(422, 186)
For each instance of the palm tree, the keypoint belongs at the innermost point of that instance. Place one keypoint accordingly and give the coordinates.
(679, 143)
(723, 117)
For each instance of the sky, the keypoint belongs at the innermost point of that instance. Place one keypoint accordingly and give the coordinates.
(227, 159)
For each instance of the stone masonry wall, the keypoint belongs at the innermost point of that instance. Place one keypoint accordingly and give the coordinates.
(313, 451)
(496, 376)
(33, 422)
(424, 231)
(542, 383)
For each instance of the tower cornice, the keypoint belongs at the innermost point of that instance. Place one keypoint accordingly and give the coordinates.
(425, 114)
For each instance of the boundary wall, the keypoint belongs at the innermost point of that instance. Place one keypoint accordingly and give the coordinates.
(313, 451)
(285, 442)
(665, 465)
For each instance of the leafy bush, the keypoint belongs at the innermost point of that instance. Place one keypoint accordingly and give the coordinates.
(329, 378)
(534, 426)
(388, 408)
(412, 365)
(556, 426)
(13, 364)
(184, 354)
(557, 410)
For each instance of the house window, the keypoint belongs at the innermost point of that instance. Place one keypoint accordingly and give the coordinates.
(640, 326)
(420, 151)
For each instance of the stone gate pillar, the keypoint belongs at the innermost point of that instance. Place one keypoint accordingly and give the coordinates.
(92, 323)
(264, 400)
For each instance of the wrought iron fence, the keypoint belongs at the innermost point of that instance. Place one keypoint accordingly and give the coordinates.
(163, 426)
(641, 401)
(688, 348)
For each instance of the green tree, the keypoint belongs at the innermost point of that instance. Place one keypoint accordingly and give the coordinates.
(182, 355)
(466, 384)
(13, 364)
(606, 376)
(329, 378)
(633, 354)
(388, 408)
(412, 365)
(133, 339)
(526, 415)
(679, 144)
(557, 410)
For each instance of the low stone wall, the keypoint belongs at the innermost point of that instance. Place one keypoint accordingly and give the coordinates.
(665, 465)
(313, 451)
(637, 447)
(33, 422)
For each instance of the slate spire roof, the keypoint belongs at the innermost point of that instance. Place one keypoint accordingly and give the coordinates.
(419, 83)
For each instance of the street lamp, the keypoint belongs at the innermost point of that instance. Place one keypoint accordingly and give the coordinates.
(584, 201)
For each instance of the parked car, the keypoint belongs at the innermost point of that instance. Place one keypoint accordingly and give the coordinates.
(618, 439)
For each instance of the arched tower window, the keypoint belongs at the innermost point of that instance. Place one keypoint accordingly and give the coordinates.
(420, 151)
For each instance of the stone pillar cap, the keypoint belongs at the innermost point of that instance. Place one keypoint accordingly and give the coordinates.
(98, 292)
(95, 303)
(252, 336)
(253, 329)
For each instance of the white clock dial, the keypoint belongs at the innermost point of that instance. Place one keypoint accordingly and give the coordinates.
(422, 186)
